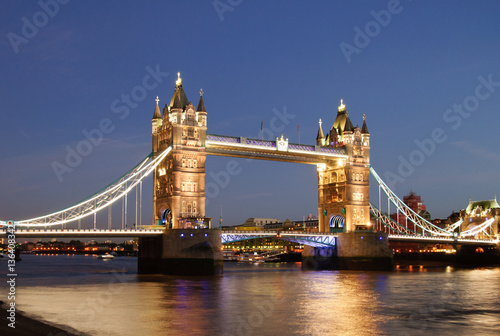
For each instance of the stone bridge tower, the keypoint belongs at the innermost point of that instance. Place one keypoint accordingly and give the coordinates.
(179, 181)
(343, 186)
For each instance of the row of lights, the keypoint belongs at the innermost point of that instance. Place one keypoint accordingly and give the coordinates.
(182, 235)
(426, 251)
(52, 248)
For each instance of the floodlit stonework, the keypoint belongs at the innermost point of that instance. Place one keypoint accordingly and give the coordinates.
(179, 181)
(343, 186)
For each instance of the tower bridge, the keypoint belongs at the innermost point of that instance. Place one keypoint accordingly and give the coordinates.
(181, 239)
(342, 159)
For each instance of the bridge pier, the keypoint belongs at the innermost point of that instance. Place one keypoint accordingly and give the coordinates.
(364, 250)
(367, 251)
(319, 258)
(181, 252)
(477, 255)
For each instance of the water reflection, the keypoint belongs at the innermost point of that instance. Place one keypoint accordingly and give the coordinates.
(268, 299)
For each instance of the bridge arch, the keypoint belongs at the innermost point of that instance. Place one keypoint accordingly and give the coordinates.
(337, 223)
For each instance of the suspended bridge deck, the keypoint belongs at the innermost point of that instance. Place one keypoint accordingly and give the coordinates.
(275, 150)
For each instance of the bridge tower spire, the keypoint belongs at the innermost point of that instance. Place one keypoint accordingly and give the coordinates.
(179, 181)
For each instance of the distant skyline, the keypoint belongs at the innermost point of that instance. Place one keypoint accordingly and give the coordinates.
(425, 74)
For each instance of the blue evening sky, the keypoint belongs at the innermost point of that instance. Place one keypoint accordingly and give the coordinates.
(253, 59)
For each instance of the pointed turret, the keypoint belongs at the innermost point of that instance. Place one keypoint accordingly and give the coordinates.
(157, 114)
(201, 104)
(348, 124)
(201, 112)
(176, 104)
(157, 121)
(320, 138)
(364, 129)
(182, 96)
(342, 122)
(179, 94)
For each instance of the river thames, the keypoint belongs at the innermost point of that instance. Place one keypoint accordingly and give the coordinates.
(108, 297)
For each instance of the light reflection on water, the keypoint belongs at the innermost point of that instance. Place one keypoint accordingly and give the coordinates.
(108, 298)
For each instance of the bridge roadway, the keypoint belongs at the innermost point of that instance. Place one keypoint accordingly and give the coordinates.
(307, 238)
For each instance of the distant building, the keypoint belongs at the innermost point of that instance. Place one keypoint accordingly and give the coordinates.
(254, 224)
(414, 202)
(444, 222)
(260, 222)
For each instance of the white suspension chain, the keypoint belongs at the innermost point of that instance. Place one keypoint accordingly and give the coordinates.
(101, 200)
(409, 213)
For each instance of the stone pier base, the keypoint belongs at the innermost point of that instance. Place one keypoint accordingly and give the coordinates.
(317, 259)
(365, 251)
(181, 252)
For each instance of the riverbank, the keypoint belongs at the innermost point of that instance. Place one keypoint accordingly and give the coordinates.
(27, 326)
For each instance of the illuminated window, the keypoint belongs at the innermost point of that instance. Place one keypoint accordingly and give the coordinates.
(190, 163)
(183, 163)
(183, 206)
(183, 186)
